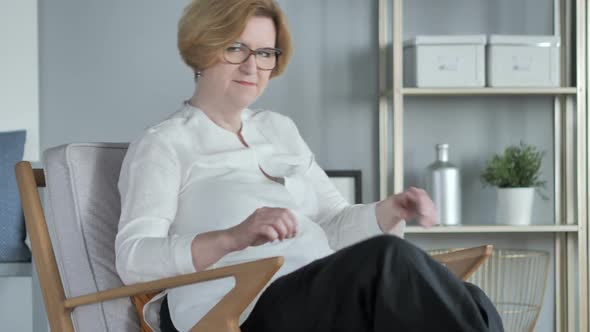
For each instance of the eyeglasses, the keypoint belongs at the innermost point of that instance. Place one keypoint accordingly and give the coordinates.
(266, 58)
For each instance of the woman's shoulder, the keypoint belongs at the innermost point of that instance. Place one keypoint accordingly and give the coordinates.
(183, 120)
(174, 130)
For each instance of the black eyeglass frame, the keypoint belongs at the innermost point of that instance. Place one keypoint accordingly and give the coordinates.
(277, 52)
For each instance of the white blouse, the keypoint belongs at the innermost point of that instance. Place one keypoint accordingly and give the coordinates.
(187, 176)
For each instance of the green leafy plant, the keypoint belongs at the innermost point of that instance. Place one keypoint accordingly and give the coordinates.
(518, 167)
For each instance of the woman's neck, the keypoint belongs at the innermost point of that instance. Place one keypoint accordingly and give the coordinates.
(228, 118)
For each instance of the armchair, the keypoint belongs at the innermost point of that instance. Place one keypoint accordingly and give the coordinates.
(73, 235)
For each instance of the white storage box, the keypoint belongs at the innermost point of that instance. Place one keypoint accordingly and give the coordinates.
(514, 61)
(445, 61)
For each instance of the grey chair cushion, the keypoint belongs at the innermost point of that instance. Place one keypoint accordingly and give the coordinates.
(12, 223)
(82, 207)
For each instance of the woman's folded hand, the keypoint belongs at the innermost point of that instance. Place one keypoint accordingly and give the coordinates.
(266, 224)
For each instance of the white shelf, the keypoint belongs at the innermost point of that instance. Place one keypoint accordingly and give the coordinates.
(15, 269)
(486, 91)
(494, 229)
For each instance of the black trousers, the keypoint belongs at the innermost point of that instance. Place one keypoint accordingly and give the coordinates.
(381, 284)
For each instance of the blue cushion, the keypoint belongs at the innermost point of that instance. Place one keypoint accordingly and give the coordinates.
(12, 225)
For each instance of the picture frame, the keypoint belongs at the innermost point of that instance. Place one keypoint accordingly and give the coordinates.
(348, 183)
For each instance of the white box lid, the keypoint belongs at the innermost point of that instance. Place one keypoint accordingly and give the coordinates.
(446, 40)
(525, 40)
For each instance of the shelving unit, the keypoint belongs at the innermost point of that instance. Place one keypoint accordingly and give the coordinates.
(570, 149)
(494, 229)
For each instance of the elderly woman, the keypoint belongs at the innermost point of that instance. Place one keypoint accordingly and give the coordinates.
(218, 184)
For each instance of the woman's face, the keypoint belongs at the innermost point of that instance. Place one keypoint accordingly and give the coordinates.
(239, 85)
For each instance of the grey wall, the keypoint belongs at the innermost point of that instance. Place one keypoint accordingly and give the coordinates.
(110, 68)
(478, 16)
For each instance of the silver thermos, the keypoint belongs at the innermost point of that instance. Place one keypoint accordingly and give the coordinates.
(443, 183)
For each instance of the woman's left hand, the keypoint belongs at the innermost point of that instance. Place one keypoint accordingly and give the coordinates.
(413, 203)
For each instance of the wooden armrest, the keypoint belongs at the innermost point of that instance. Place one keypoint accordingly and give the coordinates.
(464, 262)
(250, 278)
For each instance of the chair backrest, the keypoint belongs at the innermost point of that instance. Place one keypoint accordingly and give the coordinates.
(82, 212)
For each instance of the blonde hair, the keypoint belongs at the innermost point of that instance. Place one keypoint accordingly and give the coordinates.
(207, 27)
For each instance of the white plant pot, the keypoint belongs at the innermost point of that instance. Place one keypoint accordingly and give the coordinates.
(515, 206)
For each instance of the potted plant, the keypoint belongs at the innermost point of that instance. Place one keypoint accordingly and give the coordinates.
(516, 173)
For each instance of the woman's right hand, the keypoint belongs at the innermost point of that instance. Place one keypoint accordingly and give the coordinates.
(266, 224)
